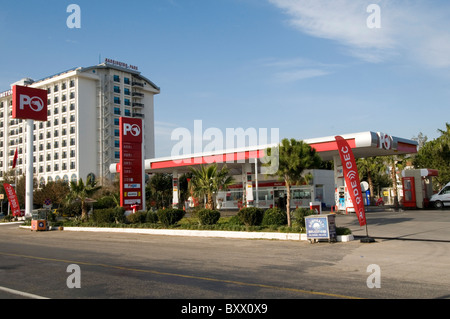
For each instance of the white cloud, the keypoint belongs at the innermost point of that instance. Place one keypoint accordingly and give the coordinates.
(296, 75)
(296, 69)
(410, 29)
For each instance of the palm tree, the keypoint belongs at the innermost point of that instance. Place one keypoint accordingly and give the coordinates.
(370, 167)
(294, 157)
(208, 180)
(80, 191)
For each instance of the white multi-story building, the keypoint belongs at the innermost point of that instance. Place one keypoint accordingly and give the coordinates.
(81, 135)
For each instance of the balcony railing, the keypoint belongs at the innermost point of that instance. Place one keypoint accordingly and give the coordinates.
(134, 83)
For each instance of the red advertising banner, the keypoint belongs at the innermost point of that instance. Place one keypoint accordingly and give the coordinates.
(131, 163)
(15, 159)
(29, 103)
(351, 176)
(12, 198)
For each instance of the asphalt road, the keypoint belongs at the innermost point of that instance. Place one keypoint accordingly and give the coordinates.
(412, 253)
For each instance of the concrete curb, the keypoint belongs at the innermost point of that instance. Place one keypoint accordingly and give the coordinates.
(198, 233)
(10, 223)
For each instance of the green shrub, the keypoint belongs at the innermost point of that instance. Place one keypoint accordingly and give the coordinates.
(274, 216)
(251, 216)
(234, 221)
(170, 216)
(104, 202)
(343, 231)
(137, 218)
(300, 214)
(208, 216)
(108, 215)
(151, 217)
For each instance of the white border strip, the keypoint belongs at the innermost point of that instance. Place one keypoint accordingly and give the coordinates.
(198, 233)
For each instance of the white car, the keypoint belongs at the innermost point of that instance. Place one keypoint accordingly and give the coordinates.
(442, 198)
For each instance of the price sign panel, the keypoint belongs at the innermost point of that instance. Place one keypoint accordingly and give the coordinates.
(131, 163)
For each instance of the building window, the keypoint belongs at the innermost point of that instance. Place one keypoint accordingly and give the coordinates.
(116, 78)
(117, 111)
(127, 102)
(116, 89)
(126, 91)
(117, 155)
(126, 80)
(117, 100)
(116, 132)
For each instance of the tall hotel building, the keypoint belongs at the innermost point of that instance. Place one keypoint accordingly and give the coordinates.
(81, 135)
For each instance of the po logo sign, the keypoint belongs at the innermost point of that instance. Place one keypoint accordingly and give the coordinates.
(29, 103)
(131, 130)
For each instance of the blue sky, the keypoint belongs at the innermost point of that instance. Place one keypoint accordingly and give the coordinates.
(311, 68)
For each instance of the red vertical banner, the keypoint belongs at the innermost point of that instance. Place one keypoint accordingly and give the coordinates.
(15, 159)
(131, 164)
(351, 176)
(12, 198)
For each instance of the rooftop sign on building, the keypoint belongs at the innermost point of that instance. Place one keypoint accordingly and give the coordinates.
(121, 64)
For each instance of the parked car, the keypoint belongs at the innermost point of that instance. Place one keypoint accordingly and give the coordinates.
(442, 198)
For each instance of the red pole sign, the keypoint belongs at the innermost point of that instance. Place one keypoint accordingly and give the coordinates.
(131, 163)
(29, 103)
(351, 176)
(12, 198)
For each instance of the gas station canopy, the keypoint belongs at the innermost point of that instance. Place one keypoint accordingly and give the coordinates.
(364, 144)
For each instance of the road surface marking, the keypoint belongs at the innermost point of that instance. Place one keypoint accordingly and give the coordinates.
(21, 293)
(155, 272)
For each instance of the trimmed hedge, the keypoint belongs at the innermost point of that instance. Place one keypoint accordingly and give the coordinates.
(151, 217)
(300, 214)
(108, 215)
(274, 216)
(251, 216)
(170, 216)
(208, 216)
(138, 217)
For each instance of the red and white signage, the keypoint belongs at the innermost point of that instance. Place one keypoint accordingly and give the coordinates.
(12, 198)
(29, 103)
(131, 164)
(351, 176)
